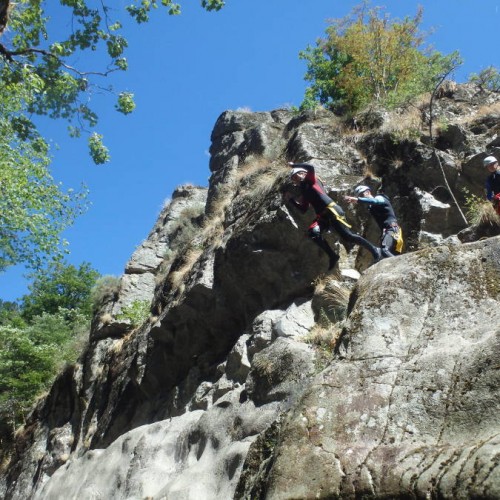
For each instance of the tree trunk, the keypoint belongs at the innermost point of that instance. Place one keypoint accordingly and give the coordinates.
(4, 14)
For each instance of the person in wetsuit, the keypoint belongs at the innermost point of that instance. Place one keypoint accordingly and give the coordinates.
(381, 210)
(493, 182)
(329, 215)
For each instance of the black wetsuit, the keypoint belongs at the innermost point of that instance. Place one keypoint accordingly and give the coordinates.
(329, 216)
(381, 209)
(493, 184)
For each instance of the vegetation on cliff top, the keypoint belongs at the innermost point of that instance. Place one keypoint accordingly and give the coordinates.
(368, 57)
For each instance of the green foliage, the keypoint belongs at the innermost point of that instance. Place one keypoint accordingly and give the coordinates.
(212, 4)
(488, 79)
(60, 286)
(10, 314)
(38, 77)
(98, 151)
(34, 210)
(367, 57)
(125, 103)
(140, 9)
(30, 357)
(137, 312)
(39, 61)
(479, 211)
(39, 336)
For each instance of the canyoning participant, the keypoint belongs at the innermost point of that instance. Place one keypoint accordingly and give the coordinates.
(381, 209)
(329, 215)
(493, 182)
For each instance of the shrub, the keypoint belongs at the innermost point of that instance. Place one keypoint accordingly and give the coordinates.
(60, 285)
(487, 79)
(30, 358)
(480, 211)
(137, 312)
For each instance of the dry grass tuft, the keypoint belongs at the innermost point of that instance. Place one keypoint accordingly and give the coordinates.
(106, 319)
(324, 338)
(484, 215)
(468, 118)
(176, 277)
(405, 124)
(334, 298)
(480, 212)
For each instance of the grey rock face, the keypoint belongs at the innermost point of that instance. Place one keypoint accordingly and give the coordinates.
(138, 283)
(224, 392)
(409, 405)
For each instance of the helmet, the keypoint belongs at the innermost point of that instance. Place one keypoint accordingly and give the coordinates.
(359, 190)
(296, 170)
(489, 160)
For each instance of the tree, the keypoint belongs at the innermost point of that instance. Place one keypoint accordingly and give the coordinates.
(487, 79)
(44, 65)
(42, 334)
(367, 57)
(34, 210)
(60, 286)
(10, 314)
(39, 76)
(30, 358)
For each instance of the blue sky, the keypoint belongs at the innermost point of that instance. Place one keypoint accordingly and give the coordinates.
(185, 71)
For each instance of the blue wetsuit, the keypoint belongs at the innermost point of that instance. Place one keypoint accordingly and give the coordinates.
(381, 209)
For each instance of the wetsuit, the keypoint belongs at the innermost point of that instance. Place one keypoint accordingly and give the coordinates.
(493, 184)
(329, 215)
(493, 189)
(381, 209)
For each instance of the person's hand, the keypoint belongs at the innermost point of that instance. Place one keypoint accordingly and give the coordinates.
(350, 199)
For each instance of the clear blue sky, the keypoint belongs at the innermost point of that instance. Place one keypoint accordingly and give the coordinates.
(185, 71)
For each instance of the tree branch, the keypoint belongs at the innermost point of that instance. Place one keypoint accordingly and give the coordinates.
(9, 56)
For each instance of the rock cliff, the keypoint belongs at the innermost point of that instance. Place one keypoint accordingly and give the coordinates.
(256, 374)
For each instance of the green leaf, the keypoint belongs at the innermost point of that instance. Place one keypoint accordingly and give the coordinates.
(125, 103)
(98, 152)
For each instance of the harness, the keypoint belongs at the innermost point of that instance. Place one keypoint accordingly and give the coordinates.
(397, 235)
(328, 212)
(340, 218)
(496, 203)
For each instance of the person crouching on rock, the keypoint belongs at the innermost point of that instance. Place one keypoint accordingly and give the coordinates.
(329, 215)
(381, 210)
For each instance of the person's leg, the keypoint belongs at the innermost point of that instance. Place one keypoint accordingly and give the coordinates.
(314, 232)
(387, 244)
(345, 233)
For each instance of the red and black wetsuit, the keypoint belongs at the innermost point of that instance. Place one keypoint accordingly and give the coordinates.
(329, 215)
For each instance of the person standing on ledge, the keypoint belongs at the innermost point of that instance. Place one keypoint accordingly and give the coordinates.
(329, 215)
(381, 210)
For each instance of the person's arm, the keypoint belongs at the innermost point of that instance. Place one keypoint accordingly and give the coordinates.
(377, 200)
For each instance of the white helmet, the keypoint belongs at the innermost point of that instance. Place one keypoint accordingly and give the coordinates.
(296, 170)
(489, 160)
(359, 190)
